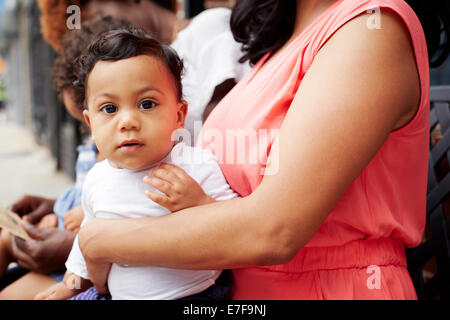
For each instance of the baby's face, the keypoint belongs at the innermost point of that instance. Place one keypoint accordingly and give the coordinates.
(133, 110)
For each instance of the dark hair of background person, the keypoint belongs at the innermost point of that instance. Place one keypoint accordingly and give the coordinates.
(263, 26)
(127, 43)
(73, 44)
(54, 16)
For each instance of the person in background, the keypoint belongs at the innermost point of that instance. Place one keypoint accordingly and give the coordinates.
(65, 212)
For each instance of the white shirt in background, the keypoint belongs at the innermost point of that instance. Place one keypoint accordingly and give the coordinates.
(210, 55)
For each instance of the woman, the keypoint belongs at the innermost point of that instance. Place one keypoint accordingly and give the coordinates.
(345, 86)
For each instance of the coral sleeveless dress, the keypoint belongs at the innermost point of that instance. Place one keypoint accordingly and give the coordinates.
(359, 250)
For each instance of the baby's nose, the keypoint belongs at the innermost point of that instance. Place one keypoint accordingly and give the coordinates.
(129, 121)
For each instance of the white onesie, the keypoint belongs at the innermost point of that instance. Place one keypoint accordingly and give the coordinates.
(112, 193)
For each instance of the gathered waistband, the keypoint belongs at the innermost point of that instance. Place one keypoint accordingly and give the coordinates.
(354, 254)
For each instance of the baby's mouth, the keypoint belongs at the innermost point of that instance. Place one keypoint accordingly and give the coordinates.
(131, 145)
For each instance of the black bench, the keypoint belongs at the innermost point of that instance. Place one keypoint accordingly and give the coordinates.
(429, 263)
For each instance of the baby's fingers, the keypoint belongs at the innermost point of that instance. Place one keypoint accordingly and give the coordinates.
(160, 199)
(40, 296)
(159, 184)
(165, 173)
(43, 295)
(174, 170)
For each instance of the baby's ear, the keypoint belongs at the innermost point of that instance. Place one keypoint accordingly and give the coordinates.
(87, 119)
(181, 113)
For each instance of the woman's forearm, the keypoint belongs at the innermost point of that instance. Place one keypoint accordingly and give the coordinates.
(226, 234)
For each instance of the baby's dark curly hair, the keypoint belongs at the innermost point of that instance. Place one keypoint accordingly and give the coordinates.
(73, 44)
(126, 43)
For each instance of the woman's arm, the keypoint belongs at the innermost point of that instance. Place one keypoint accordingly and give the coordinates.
(362, 85)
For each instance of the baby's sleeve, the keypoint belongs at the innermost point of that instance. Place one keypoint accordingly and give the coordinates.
(212, 179)
(75, 262)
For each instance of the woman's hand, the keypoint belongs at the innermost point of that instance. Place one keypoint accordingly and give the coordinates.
(179, 190)
(73, 219)
(97, 268)
(98, 274)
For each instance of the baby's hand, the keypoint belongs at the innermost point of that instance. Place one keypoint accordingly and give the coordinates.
(179, 190)
(73, 219)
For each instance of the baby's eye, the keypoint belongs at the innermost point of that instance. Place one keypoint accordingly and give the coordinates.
(109, 109)
(147, 104)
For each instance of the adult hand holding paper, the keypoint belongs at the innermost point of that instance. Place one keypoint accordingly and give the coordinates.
(13, 223)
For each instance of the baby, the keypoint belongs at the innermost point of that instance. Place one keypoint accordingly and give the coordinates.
(133, 97)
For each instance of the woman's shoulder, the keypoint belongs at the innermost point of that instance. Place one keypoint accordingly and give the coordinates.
(385, 26)
(391, 46)
(373, 15)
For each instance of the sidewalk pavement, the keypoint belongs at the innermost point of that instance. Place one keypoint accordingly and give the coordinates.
(25, 167)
